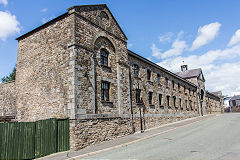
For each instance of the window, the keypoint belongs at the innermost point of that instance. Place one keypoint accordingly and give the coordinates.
(148, 75)
(104, 57)
(160, 99)
(136, 70)
(234, 103)
(168, 103)
(138, 95)
(190, 104)
(105, 91)
(184, 88)
(158, 78)
(186, 105)
(174, 101)
(180, 103)
(173, 84)
(150, 94)
(178, 86)
(166, 82)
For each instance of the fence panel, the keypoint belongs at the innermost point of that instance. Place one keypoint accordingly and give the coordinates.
(28, 140)
(16, 140)
(62, 135)
(45, 139)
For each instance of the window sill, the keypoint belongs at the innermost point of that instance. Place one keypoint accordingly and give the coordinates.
(139, 103)
(161, 107)
(135, 76)
(150, 82)
(104, 67)
(152, 106)
(108, 103)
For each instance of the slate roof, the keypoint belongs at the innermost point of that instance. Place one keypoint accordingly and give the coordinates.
(217, 93)
(159, 67)
(235, 98)
(190, 73)
(209, 94)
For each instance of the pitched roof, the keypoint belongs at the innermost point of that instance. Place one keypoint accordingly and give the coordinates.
(66, 14)
(159, 67)
(190, 73)
(216, 93)
(96, 5)
(210, 94)
(235, 98)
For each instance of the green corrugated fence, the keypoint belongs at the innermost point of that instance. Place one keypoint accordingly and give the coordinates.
(28, 140)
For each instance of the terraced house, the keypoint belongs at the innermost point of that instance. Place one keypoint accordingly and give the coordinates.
(78, 66)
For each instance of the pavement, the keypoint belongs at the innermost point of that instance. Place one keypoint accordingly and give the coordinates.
(106, 150)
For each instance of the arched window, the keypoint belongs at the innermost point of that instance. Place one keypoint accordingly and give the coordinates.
(104, 57)
(136, 70)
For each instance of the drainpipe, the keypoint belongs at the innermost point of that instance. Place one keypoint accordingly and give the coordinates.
(131, 105)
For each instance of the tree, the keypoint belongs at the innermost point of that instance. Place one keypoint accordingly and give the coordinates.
(11, 76)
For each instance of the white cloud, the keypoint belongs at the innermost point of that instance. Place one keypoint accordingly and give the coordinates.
(166, 37)
(235, 38)
(44, 10)
(205, 35)
(219, 76)
(8, 25)
(178, 46)
(4, 2)
(204, 61)
(224, 77)
(45, 20)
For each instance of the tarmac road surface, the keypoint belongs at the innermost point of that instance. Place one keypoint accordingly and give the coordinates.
(217, 138)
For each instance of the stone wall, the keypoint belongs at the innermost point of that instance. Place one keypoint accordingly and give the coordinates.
(8, 99)
(93, 33)
(44, 71)
(173, 86)
(235, 109)
(214, 105)
(92, 131)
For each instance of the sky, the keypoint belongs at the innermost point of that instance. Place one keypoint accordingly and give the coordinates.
(201, 33)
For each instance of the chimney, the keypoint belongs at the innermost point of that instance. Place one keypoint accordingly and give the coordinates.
(184, 68)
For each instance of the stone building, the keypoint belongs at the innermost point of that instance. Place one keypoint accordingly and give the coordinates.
(78, 66)
(214, 100)
(234, 103)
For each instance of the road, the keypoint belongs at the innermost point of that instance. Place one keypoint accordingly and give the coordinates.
(216, 138)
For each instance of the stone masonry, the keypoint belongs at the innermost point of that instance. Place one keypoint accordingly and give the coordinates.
(78, 66)
(7, 99)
